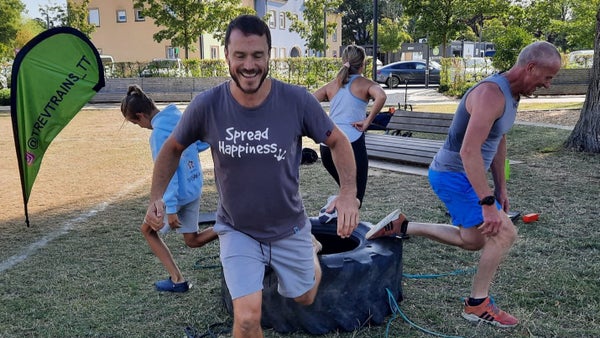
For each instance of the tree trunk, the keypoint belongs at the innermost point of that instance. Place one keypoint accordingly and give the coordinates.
(586, 134)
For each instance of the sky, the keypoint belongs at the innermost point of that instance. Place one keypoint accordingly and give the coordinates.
(33, 6)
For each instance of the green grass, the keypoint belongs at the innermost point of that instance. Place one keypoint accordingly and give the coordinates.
(451, 107)
(95, 278)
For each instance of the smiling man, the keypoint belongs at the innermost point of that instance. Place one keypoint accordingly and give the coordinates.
(476, 142)
(254, 125)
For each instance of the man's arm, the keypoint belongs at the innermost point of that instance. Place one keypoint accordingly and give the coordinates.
(499, 175)
(164, 167)
(485, 104)
(346, 203)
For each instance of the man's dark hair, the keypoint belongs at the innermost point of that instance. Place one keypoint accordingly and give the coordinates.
(249, 25)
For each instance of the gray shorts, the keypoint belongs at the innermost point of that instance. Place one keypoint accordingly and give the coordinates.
(244, 260)
(188, 217)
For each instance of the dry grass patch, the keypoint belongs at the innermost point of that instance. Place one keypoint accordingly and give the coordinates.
(90, 272)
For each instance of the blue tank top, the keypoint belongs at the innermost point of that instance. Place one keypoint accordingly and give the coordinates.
(448, 157)
(346, 109)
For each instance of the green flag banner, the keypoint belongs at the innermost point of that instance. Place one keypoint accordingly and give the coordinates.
(53, 76)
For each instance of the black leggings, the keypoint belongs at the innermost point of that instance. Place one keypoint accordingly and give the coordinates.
(362, 165)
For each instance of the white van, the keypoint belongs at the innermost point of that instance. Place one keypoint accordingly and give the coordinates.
(109, 65)
(164, 68)
(581, 58)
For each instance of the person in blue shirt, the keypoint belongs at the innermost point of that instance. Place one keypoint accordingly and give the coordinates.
(182, 197)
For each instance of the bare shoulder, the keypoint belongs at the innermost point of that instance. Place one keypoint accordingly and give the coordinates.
(362, 86)
(486, 94)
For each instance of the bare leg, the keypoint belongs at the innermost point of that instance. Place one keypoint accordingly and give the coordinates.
(198, 239)
(447, 234)
(494, 248)
(162, 252)
(493, 253)
(246, 316)
(309, 297)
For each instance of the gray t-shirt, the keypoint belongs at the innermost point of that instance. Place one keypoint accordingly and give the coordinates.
(257, 154)
(448, 157)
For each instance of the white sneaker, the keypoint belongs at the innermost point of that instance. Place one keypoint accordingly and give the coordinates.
(393, 224)
(326, 217)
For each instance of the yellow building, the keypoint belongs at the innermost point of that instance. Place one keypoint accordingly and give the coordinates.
(123, 33)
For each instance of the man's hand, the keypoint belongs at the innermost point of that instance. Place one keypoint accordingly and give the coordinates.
(174, 222)
(492, 220)
(347, 214)
(155, 215)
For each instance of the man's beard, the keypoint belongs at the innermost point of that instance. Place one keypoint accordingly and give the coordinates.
(248, 91)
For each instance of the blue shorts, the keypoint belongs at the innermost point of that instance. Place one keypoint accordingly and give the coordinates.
(188, 215)
(244, 260)
(455, 190)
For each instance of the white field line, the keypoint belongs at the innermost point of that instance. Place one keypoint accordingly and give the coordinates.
(66, 227)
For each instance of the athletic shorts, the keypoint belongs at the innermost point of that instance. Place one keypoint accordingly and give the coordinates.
(244, 260)
(455, 190)
(188, 217)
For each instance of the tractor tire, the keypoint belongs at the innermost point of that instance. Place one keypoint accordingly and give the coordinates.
(352, 293)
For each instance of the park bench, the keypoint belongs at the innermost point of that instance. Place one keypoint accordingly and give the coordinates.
(402, 141)
(160, 89)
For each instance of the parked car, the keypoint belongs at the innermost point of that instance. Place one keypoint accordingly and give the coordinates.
(581, 58)
(109, 65)
(412, 72)
(477, 68)
(165, 68)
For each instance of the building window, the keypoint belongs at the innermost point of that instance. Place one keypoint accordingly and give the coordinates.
(272, 18)
(273, 53)
(94, 17)
(138, 15)
(282, 20)
(282, 54)
(121, 15)
(214, 52)
(172, 52)
(334, 36)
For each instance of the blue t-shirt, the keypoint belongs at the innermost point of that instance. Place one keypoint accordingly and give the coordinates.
(257, 154)
(186, 184)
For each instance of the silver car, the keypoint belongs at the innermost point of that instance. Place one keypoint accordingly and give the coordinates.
(411, 72)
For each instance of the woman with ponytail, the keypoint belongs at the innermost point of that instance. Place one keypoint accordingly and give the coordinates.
(349, 94)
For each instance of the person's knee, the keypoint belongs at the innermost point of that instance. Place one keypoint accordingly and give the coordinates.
(509, 233)
(191, 240)
(306, 299)
(247, 318)
(475, 244)
(146, 230)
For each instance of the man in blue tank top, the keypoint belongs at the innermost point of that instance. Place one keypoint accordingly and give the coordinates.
(254, 125)
(476, 143)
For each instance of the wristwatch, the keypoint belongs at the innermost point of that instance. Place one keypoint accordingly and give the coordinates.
(488, 200)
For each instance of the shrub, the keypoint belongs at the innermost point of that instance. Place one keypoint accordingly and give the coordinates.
(5, 97)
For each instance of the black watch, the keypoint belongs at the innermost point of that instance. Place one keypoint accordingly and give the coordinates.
(488, 200)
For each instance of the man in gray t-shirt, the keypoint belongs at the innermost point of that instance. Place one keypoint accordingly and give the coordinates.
(254, 125)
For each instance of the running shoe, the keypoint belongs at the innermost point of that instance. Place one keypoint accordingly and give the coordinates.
(394, 224)
(488, 312)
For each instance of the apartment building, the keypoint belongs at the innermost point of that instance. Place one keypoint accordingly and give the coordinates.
(125, 34)
(290, 44)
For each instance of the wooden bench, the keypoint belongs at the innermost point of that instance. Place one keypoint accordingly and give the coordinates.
(398, 144)
(160, 89)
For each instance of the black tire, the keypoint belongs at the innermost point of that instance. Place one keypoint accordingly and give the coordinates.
(352, 293)
(393, 82)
